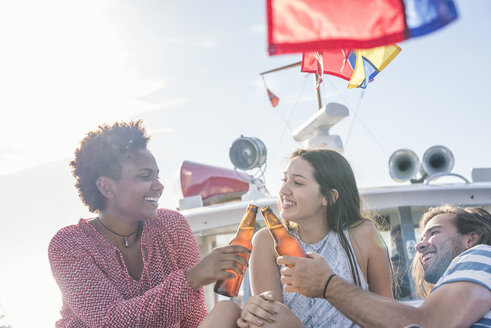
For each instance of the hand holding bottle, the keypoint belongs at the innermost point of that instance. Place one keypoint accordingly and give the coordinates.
(230, 287)
(286, 244)
(220, 263)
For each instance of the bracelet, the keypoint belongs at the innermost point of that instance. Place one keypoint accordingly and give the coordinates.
(327, 283)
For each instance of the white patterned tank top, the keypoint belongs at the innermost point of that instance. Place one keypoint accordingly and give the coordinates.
(318, 312)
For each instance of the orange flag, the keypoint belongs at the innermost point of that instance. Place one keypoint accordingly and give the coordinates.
(273, 98)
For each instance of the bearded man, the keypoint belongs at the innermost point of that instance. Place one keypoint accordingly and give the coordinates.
(454, 259)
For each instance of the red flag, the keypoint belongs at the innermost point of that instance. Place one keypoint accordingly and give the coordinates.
(273, 98)
(298, 26)
(334, 62)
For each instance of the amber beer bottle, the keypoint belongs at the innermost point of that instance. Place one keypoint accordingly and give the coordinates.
(230, 287)
(286, 244)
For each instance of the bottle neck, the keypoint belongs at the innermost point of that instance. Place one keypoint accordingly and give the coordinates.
(249, 219)
(247, 225)
(275, 226)
(246, 228)
(272, 221)
(245, 234)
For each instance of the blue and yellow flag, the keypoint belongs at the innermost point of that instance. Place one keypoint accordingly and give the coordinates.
(368, 63)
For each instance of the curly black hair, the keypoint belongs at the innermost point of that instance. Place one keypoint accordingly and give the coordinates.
(101, 153)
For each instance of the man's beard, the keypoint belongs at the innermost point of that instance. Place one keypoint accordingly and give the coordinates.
(446, 254)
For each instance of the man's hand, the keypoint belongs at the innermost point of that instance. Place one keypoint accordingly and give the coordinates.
(214, 266)
(306, 276)
(257, 310)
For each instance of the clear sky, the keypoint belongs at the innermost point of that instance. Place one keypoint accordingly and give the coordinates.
(190, 70)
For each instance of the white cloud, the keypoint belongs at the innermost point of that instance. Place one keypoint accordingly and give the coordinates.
(157, 97)
(203, 42)
(259, 29)
(8, 152)
(176, 102)
(160, 131)
(259, 83)
(208, 43)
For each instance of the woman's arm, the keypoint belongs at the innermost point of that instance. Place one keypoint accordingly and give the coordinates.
(265, 284)
(372, 256)
(263, 270)
(212, 267)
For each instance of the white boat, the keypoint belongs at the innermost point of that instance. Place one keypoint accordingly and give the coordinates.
(215, 199)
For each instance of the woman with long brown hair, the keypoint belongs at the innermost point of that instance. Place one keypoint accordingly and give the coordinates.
(320, 205)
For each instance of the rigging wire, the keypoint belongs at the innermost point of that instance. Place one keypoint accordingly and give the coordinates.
(287, 123)
(283, 118)
(355, 116)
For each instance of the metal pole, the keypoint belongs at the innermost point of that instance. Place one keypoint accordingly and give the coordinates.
(316, 77)
(281, 68)
(408, 240)
(318, 92)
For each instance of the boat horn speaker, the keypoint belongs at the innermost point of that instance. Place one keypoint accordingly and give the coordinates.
(247, 153)
(438, 160)
(403, 165)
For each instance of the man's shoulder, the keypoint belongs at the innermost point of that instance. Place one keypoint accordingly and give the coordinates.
(473, 265)
(481, 249)
(476, 258)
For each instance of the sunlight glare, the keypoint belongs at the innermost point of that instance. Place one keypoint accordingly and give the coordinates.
(62, 66)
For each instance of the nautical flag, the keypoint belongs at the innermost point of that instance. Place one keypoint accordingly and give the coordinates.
(308, 25)
(334, 62)
(368, 63)
(359, 67)
(273, 98)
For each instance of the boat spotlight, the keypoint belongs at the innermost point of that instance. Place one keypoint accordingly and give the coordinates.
(247, 153)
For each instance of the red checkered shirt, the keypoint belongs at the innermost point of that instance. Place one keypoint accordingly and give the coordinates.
(98, 291)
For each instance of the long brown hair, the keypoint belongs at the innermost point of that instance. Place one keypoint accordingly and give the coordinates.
(466, 220)
(333, 172)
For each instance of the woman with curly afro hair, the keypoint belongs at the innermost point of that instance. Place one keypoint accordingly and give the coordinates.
(133, 264)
